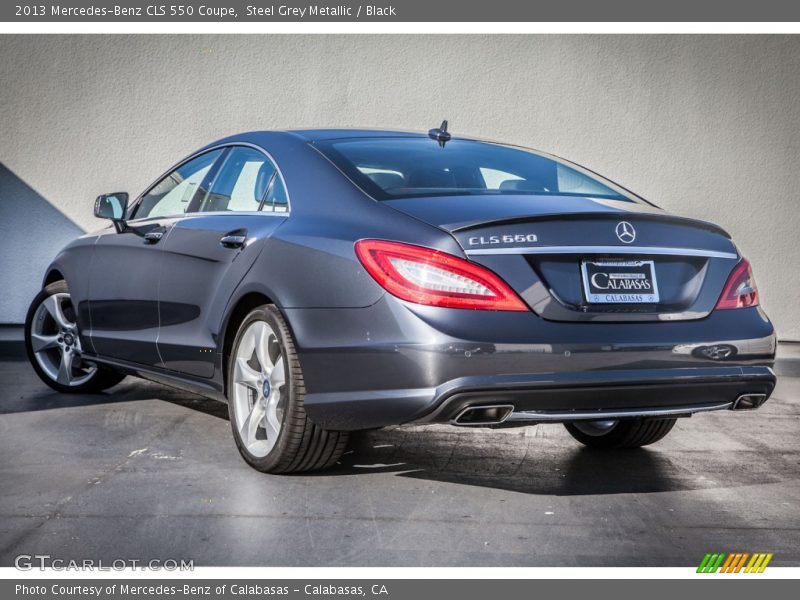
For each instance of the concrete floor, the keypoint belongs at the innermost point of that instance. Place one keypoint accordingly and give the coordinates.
(147, 472)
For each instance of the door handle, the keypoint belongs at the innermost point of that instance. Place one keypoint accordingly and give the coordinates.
(234, 240)
(153, 237)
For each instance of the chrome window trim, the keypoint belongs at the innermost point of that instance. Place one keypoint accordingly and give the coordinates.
(640, 250)
(230, 213)
(191, 157)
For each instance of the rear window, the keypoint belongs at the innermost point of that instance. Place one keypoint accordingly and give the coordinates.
(399, 167)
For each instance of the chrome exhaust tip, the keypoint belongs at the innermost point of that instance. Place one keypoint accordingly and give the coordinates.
(483, 415)
(749, 401)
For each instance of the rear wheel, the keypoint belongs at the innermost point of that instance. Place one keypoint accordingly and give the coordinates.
(620, 434)
(265, 399)
(53, 344)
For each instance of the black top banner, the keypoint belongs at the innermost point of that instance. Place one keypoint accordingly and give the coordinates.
(403, 11)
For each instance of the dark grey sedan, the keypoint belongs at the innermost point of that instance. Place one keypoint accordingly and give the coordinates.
(323, 282)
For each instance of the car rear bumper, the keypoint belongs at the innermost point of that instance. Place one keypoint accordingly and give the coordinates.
(609, 394)
(539, 399)
(394, 363)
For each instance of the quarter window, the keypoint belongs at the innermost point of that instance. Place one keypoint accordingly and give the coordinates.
(242, 182)
(173, 195)
(277, 200)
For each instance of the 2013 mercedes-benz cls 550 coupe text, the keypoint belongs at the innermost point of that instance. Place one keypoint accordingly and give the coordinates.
(328, 281)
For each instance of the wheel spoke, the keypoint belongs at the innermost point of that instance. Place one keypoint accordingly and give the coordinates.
(246, 375)
(65, 369)
(262, 351)
(252, 423)
(272, 422)
(53, 306)
(277, 378)
(40, 342)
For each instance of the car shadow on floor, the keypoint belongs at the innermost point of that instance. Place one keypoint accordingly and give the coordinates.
(534, 460)
(529, 464)
(485, 461)
(131, 390)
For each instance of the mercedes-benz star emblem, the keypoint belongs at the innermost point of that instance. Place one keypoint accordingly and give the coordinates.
(625, 232)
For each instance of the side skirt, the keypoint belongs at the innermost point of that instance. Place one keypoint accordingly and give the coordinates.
(195, 385)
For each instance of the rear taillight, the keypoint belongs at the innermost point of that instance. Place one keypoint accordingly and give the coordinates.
(427, 276)
(740, 290)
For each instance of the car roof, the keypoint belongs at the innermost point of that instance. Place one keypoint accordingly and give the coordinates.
(315, 135)
(306, 136)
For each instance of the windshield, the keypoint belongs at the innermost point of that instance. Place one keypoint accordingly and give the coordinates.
(400, 167)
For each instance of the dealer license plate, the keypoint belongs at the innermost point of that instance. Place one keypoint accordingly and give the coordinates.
(619, 282)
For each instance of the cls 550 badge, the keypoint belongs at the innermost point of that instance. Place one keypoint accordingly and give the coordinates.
(516, 238)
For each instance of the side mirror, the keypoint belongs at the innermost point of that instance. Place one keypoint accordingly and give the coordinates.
(113, 206)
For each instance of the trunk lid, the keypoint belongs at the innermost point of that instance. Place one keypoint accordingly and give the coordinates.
(584, 259)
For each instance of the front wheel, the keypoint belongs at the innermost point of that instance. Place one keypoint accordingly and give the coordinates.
(265, 399)
(53, 344)
(620, 434)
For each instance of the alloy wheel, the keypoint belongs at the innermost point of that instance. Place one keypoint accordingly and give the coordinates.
(259, 388)
(56, 343)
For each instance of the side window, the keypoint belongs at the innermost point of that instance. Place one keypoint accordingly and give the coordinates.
(277, 200)
(572, 182)
(241, 182)
(173, 194)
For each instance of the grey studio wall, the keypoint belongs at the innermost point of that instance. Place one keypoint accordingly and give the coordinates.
(706, 126)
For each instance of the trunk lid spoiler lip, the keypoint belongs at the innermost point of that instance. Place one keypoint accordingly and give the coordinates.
(443, 212)
(459, 227)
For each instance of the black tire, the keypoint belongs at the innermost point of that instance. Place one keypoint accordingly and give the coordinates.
(102, 379)
(625, 434)
(301, 445)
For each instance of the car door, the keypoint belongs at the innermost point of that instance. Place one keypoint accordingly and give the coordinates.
(209, 251)
(124, 273)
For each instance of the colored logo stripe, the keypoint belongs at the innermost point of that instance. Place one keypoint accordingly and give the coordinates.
(734, 562)
(758, 563)
(711, 562)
